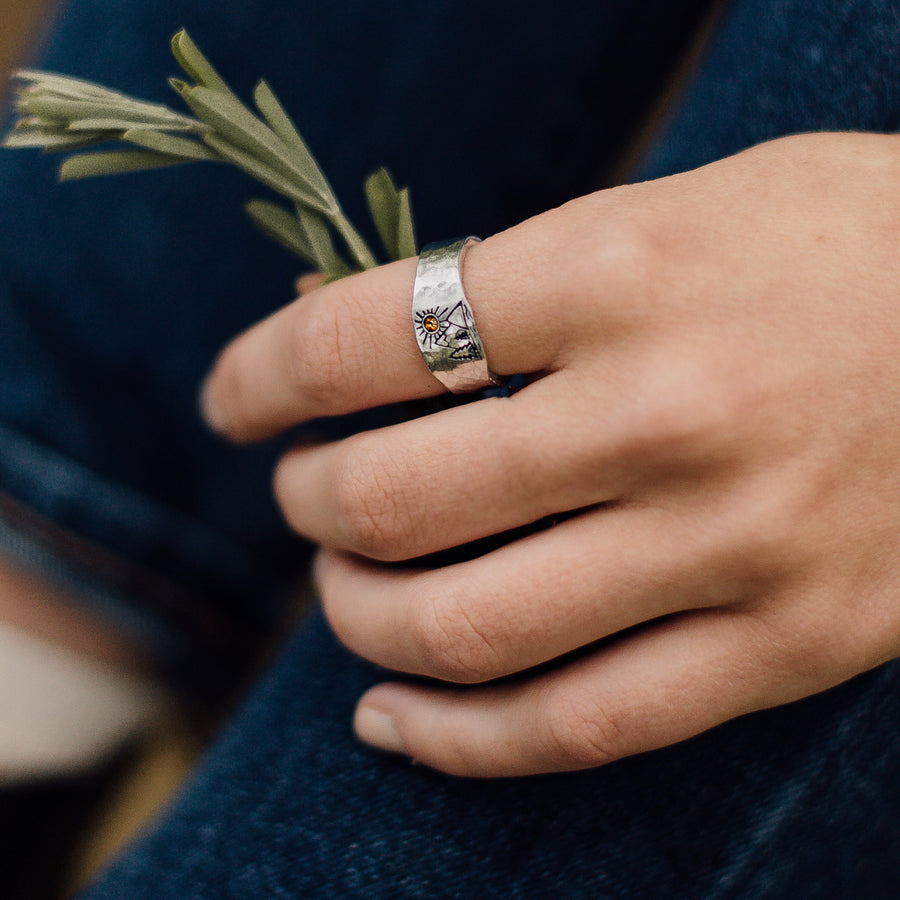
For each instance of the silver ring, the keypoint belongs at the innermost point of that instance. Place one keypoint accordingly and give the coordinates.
(443, 321)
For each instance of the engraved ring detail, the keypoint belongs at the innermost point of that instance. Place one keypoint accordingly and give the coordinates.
(443, 321)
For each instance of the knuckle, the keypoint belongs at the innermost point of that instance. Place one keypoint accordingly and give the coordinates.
(369, 505)
(627, 257)
(452, 646)
(632, 253)
(584, 733)
(320, 369)
(632, 256)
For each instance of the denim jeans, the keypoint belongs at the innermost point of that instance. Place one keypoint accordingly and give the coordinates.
(802, 801)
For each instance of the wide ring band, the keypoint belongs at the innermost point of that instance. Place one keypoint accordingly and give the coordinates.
(443, 321)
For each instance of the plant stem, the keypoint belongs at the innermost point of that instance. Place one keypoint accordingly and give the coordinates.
(358, 248)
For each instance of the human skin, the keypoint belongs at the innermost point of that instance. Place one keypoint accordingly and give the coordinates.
(21, 21)
(716, 392)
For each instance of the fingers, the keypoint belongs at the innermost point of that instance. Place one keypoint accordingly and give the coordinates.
(526, 603)
(655, 688)
(308, 282)
(450, 478)
(350, 345)
(314, 358)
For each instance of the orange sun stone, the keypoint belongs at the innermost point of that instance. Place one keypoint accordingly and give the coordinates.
(431, 323)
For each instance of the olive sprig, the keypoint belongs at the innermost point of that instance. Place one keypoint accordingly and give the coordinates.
(59, 113)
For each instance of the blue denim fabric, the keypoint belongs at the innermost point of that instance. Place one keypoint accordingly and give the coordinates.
(777, 68)
(802, 801)
(115, 294)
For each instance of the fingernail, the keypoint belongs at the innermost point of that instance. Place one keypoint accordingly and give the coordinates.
(378, 729)
(209, 408)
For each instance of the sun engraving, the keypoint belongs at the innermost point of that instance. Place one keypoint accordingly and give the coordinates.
(431, 325)
(447, 331)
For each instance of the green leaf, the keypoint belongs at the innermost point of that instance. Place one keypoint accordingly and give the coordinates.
(185, 148)
(54, 106)
(359, 249)
(195, 64)
(46, 122)
(49, 105)
(66, 85)
(259, 170)
(276, 222)
(233, 121)
(281, 123)
(305, 235)
(113, 162)
(50, 140)
(392, 214)
(406, 231)
(127, 124)
(381, 195)
(318, 234)
(275, 114)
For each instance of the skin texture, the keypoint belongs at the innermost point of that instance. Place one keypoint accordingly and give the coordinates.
(716, 394)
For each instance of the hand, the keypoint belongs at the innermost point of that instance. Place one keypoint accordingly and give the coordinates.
(716, 361)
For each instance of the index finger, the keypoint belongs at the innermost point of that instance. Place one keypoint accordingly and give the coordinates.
(350, 345)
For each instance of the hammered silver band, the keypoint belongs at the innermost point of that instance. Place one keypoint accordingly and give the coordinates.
(443, 321)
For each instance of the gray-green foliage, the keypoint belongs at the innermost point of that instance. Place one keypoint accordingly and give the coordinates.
(60, 113)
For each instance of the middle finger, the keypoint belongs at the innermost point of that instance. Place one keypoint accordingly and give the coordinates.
(453, 477)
